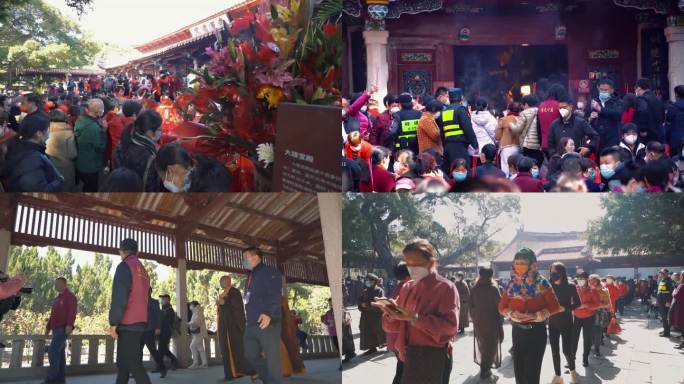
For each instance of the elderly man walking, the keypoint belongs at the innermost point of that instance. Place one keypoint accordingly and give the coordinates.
(91, 142)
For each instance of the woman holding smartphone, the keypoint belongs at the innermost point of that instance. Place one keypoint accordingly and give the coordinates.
(423, 318)
(528, 301)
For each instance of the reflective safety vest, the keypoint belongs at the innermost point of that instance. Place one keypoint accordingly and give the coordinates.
(407, 134)
(450, 127)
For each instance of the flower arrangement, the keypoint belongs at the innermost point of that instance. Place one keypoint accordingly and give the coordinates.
(278, 52)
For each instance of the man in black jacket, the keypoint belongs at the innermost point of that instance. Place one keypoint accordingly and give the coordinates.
(572, 126)
(664, 299)
(650, 113)
(152, 331)
(168, 319)
(614, 174)
(456, 129)
(606, 114)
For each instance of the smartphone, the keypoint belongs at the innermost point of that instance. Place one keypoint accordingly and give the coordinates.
(387, 303)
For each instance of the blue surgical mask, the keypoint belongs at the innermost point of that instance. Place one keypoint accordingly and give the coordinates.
(464, 103)
(640, 189)
(591, 174)
(459, 176)
(604, 96)
(606, 171)
(247, 265)
(535, 173)
(157, 136)
(682, 155)
(368, 283)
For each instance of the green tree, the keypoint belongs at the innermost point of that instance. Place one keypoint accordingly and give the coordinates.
(93, 274)
(80, 6)
(35, 34)
(638, 224)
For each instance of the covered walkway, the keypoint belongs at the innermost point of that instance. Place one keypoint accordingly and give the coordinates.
(184, 231)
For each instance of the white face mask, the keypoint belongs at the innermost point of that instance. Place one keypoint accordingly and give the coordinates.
(581, 283)
(564, 112)
(417, 273)
(396, 167)
(630, 139)
(580, 105)
(364, 108)
(169, 185)
(395, 109)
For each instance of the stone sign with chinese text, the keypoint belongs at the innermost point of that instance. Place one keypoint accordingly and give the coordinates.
(307, 150)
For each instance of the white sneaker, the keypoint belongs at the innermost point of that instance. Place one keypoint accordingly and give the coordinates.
(557, 380)
(193, 366)
(574, 377)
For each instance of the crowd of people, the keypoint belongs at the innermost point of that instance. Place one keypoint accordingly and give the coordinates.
(546, 141)
(424, 312)
(106, 138)
(256, 332)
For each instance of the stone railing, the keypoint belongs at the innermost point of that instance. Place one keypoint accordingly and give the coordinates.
(25, 356)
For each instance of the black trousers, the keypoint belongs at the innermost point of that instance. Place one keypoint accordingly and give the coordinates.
(399, 371)
(89, 181)
(529, 346)
(448, 367)
(664, 315)
(586, 326)
(562, 326)
(129, 357)
(149, 341)
(452, 151)
(535, 154)
(262, 350)
(164, 351)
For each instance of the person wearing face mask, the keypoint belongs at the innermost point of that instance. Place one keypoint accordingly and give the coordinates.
(263, 292)
(429, 137)
(585, 316)
(354, 110)
(231, 329)
(650, 113)
(614, 174)
(664, 299)
(528, 128)
(382, 179)
(674, 117)
(562, 323)
(370, 325)
(677, 307)
(62, 148)
(603, 314)
(91, 142)
(404, 127)
(181, 172)
(606, 114)
(197, 327)
(138, 149)
(487, 325)
(549, 111)
(464, 297)
(459, 172)
(574, 127)
(120, 126)
(356, 148)
(525, 180)
(442, 95)
(423, 318)
(614, 292)
(404, 168)
(401, 273)
(632, 148)
(589, 174)
(380, 131)
(26, 167)
(456, 129)
(528, 301)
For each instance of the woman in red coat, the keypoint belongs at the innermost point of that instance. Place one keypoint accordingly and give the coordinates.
(677, 310)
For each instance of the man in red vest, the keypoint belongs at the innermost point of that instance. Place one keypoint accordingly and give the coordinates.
(128, 313)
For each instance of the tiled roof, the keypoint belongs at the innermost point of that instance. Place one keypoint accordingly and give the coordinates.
(547, 246)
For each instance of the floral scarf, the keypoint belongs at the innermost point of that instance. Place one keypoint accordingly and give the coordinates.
(530, 284)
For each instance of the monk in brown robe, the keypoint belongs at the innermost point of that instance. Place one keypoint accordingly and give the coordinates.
(231, 329)
(488, 325)
(290, 358)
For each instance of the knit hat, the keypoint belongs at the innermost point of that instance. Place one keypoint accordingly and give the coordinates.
(405, 183)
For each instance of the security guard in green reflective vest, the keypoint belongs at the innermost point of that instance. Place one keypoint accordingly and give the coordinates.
(405, 125)
(456, 129)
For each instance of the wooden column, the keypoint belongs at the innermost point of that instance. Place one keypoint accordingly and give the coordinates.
(5, 236)
(182, 343)
(330, 211)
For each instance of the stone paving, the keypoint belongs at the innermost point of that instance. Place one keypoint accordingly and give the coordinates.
(636, 356)
(324, 371)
